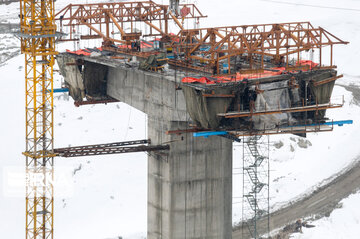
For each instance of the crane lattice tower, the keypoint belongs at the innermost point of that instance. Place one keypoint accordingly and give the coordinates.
(37, 35)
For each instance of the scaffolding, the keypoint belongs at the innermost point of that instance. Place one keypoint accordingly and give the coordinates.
(256, 180)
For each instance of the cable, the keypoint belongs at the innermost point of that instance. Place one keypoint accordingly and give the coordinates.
(310, 5)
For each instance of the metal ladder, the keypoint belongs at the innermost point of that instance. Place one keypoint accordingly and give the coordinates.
(257, 185)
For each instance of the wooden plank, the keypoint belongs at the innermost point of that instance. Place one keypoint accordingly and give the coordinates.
(317, 83)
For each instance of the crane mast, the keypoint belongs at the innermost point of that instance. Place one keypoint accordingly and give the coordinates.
(37, 35)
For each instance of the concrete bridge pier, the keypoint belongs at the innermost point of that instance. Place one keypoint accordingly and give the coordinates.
(190, 190)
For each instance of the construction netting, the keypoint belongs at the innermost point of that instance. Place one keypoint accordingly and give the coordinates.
(207, 98)
(321, 92)
(203, 110)
(272, 96)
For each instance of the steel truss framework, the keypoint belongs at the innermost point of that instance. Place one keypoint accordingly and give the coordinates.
(256, 174)
(98, 17)
(110, 148)
(38, 44)
(277, 41)
(282, 43)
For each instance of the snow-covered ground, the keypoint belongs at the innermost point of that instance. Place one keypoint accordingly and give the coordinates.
(343, 222)
(109, 192)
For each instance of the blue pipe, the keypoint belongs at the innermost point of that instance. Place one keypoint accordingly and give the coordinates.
(207, 134)
(59, 90)
(219, 133)
(339, 123)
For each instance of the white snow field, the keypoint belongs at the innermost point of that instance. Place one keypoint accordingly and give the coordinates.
(108, 193)
(342, 222)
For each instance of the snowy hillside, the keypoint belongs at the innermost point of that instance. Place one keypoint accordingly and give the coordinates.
(108, 193)
(342, 223)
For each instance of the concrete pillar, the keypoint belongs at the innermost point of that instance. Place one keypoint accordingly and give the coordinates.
(190, 189)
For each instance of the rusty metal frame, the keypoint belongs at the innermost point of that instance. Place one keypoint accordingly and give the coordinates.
(281, 41)
(95, 102)
(278, 41)
(123, 14)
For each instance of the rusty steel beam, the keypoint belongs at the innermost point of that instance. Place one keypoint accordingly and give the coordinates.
(290, 130)
(110, 148)
(316, 107)
(94, 102)
(182, 131)
(278, 130)
(107, 145)
(107, 151)
(317, 83)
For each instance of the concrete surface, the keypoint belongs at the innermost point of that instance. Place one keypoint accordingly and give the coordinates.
(190, 188)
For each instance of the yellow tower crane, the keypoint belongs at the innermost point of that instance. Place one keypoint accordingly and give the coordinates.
(37, 35)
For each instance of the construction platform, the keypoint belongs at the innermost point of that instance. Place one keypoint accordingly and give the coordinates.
(246, 102)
